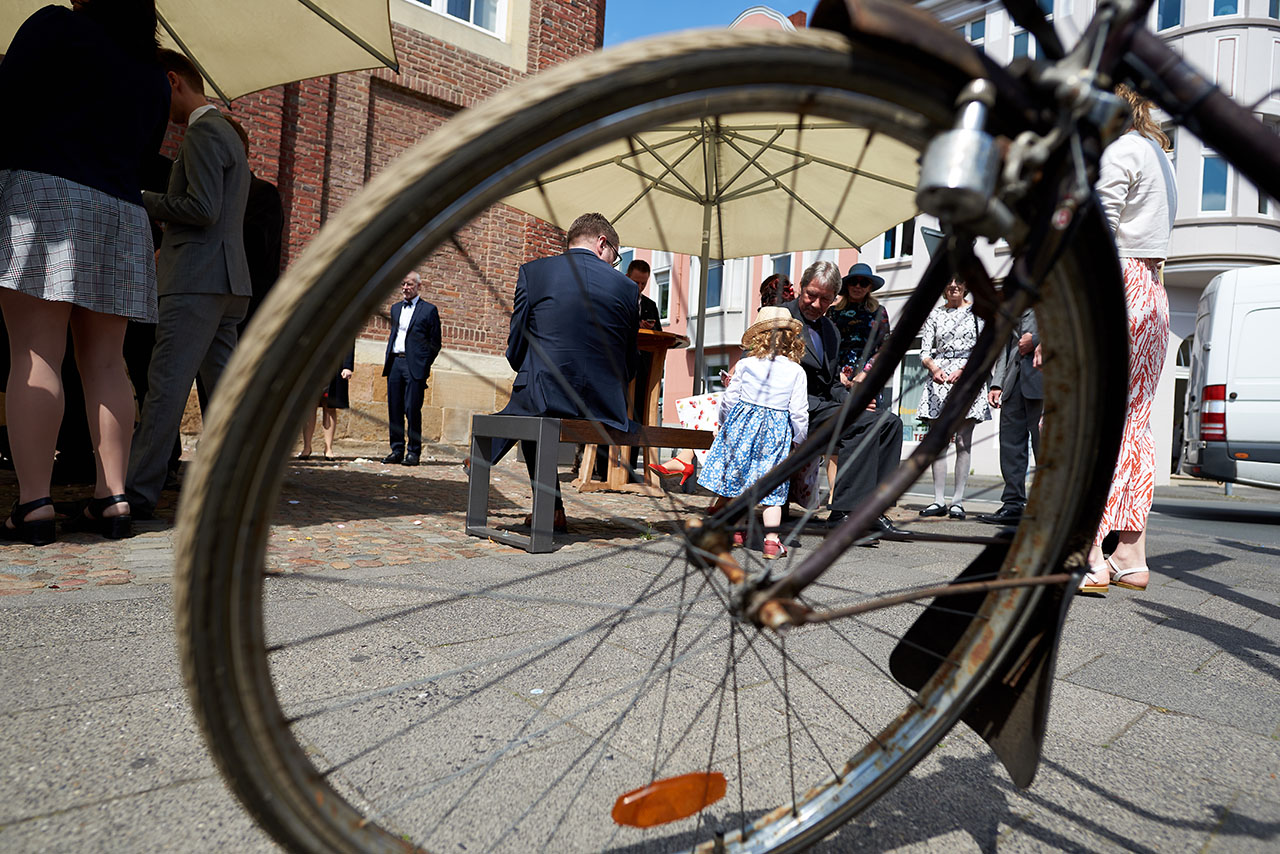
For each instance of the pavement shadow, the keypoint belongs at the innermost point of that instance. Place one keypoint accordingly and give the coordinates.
(1218, 511)
(1186, 566)
(1246, 646)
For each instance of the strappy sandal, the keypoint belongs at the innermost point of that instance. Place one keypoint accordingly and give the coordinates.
(1090, 582)
(37, 532)
(91, 519)
(1117, 574)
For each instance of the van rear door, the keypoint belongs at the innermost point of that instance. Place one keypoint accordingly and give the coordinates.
(1253, 383)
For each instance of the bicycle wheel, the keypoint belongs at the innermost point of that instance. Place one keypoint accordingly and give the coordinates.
(508, 709)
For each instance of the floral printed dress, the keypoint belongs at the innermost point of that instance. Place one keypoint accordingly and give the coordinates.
(948, 337)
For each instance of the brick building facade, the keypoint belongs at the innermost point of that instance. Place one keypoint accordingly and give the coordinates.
(320, 140)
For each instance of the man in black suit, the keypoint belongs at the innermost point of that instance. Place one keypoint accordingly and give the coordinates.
(572, 341)
(829, 387)
(638, 272)
(1017, 390)
(412, 346)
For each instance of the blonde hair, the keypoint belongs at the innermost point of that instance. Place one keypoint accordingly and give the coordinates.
(870, 303)
(1142, 121)
(767, 343)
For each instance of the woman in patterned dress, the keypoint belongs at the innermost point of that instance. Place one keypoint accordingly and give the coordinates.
(87, 106)
(947, 339)
(1136, 188)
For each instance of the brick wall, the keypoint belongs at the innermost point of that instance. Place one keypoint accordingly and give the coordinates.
(320, 140)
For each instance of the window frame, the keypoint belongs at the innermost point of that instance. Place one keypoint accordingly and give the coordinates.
(501, 13)
(1205, 156)
(659, 266)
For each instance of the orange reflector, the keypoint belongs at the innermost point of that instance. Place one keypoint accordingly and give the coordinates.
(1240, 455)
(672, 799)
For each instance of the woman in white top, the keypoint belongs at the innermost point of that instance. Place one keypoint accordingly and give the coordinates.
(1136, 187)
(763, 412)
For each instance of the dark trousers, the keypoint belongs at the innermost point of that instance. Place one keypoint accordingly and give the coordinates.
(498, 449)
(1019, 420)
(404, 403)
(858, 473)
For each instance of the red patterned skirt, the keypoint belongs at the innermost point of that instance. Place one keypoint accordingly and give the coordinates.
(1133, 486)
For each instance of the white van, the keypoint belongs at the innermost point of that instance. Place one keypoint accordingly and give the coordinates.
(1231, 428)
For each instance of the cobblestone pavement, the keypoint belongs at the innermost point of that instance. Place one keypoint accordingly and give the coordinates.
(353, 511)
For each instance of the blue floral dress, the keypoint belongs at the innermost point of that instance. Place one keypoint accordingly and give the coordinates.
(762, 412)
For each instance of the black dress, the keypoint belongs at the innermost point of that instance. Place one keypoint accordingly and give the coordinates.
(337, 395)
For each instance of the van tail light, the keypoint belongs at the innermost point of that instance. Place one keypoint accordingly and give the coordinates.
(1213, 414)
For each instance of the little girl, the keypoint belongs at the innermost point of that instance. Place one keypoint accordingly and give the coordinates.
(763, 411)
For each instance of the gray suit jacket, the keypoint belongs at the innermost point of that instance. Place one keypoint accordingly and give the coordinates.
(203, 209)
(1012, 370)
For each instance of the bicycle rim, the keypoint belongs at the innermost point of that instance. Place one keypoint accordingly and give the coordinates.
(585, 735)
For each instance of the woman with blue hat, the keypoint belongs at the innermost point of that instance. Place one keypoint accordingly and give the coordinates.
(862, 321)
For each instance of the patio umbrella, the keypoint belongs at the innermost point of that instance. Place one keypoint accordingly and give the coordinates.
(241, 46)
(746, 184)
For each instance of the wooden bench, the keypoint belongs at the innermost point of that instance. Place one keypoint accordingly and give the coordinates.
(547, 434)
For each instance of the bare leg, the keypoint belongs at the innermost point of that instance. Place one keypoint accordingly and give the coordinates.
(330, 426)
(108, 398)
(772, 519)
(685, 456)
(1131, 552)
(34, 400)
(307, 432)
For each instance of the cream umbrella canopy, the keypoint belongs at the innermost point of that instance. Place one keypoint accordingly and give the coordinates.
(241, 46)
(746, 184)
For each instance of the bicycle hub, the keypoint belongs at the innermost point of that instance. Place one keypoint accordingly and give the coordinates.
(959, 169)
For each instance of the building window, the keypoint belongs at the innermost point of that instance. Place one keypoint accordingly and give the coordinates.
(781, 264)
(1213, 184)
(625, 259)
(715, 281)
(975, 32)
(1024, 45)
(1046, 6)
(485, 14)
(662, 292)
(899, 241)
(1225, 7)
(1273, 9)
(716, 362)
(1169, 13)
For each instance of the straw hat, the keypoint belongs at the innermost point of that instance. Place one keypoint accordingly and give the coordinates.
(771, 317)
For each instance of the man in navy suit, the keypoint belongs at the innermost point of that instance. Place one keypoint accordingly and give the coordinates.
(572, 341)
(829, 387)
(412, 347)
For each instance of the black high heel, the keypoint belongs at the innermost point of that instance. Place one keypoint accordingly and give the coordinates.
(37, 532)
(91, 519)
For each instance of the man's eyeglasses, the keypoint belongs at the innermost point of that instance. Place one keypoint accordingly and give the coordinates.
(617, 254)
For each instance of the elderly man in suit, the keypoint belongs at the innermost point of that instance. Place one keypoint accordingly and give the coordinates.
(829, 387)
(411, 349)
(204, 284)
(1017, 390)
(572, 340)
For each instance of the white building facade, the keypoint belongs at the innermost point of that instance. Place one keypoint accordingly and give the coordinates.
(1222, 221)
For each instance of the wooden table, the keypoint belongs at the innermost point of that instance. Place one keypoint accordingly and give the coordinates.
(653, 345)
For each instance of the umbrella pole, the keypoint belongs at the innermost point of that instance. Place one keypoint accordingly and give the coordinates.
(699, 356)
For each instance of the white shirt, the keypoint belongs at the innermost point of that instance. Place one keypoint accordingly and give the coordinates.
(1138, 195)
(777, 383)
(200, 111)
(402, 331)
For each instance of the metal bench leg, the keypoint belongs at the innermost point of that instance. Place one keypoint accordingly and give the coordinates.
(544, 485)
(478, 486)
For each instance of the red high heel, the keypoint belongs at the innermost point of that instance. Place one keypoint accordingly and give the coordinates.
(684, 471)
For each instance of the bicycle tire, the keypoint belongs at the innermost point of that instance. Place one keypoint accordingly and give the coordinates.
(417, 203)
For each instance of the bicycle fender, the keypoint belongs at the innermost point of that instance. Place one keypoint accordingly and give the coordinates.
(1011, 710)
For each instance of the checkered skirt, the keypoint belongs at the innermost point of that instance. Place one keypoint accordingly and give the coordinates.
(65, 242)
